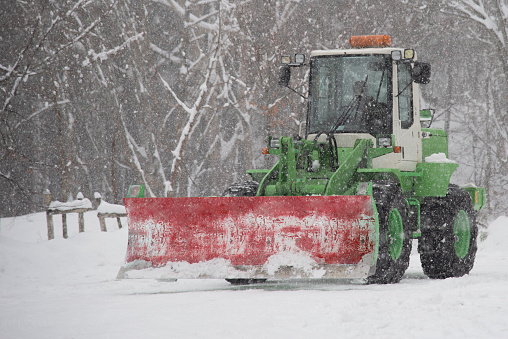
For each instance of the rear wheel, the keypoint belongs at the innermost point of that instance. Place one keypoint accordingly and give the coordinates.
(243, 189)
(448, 243)
(394, 235)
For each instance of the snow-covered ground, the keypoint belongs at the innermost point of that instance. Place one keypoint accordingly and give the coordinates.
(67, 289)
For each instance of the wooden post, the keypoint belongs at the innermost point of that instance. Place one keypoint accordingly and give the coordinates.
(98, 198)
(49, 216)
(81, 216)
(102, 220)
(64, 225)
(81, 222)
(49, 222)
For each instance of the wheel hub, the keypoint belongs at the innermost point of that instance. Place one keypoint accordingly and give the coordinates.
(462, 234)
(395, 234)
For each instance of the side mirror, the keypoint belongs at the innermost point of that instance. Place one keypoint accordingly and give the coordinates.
(421, 73)
(284, 75)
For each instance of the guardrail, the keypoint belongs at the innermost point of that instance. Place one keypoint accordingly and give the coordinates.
(107, 210)
(80, 206)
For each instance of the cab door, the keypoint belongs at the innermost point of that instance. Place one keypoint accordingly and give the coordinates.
(406, 123)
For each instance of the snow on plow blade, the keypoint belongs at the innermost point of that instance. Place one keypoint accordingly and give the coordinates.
(327, 237)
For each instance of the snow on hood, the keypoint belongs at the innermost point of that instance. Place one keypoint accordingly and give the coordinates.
(439, 158)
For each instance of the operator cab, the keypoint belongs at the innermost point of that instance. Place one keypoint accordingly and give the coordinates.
(368, 92)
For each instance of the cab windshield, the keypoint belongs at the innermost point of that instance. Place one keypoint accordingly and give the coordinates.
(350, 94)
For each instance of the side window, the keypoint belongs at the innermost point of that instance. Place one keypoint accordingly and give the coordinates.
(405, 95)
(324, 95)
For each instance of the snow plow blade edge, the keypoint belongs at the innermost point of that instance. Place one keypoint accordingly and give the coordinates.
(325, 237)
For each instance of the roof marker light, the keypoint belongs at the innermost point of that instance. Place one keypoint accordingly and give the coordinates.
(373, 41)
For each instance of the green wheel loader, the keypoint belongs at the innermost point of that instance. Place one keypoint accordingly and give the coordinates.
(344, 200)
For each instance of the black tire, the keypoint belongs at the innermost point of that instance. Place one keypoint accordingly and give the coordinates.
(394, 234)
(447, 246)
(243, 189)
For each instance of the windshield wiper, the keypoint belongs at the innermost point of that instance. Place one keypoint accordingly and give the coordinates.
(380, 84)
(345, 116)
(403, 89)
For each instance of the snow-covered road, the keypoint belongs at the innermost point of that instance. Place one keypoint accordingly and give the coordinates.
(67, 289)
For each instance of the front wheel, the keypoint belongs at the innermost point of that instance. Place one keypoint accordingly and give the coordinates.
(448, 243)
(394, 236)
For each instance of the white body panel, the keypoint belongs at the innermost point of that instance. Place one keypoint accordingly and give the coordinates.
(409, 138)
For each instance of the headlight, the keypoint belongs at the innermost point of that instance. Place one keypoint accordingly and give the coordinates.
(274, 143)
(384, 142)
(299, 59)
(396, 55)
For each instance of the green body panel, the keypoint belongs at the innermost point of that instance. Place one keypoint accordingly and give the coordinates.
(136, 191)
(462, 232)
(434, 141)
(434, 180)
(477, 196)
(395, 234)
(308, 167)
(258, 175)
(341, 180)
(292, 174)
(405, 179)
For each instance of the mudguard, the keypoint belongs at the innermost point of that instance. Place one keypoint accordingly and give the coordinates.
(251, 237)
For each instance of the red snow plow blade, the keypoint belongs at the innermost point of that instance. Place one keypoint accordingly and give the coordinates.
(251, 237)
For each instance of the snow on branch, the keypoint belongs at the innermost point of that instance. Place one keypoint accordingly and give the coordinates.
(78, 4)
(204, 17)
(182, 104)
(34, 114)
(476, 11)
(164, 53)
(104, 55)
(80, 36)
(167, 184)
(198, 21)
(11, 94)
(131, 143)
(191, 111)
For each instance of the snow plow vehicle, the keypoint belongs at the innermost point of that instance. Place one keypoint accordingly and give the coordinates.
(344, 200)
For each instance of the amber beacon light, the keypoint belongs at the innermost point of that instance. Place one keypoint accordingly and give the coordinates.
(373, 41)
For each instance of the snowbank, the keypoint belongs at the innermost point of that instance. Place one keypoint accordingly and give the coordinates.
(497, 236)
(67, 289)
(70, 205)
(106, 207)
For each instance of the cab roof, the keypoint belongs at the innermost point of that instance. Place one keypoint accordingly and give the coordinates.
(355, 51)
